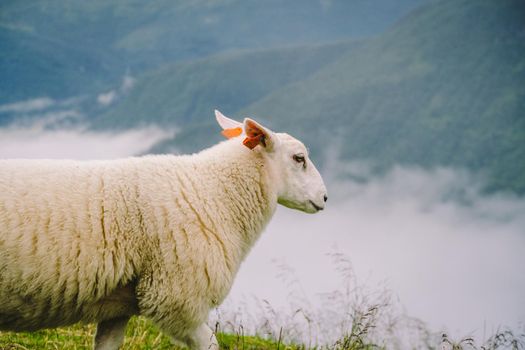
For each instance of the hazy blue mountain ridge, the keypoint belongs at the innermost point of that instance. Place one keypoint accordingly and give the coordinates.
(28, 70)
(61, 48)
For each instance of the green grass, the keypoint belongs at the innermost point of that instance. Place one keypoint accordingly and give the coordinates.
(352, 317)
(75, 337)
(140, 334)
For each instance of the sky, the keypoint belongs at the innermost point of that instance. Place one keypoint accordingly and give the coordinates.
(445, 253)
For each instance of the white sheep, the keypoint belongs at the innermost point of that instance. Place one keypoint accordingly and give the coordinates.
(158, 236)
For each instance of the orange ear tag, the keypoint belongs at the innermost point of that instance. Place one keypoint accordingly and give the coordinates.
(251, 142)
(233, 132)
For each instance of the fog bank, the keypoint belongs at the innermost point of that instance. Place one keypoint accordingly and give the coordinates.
(37, 141)
(452, 256)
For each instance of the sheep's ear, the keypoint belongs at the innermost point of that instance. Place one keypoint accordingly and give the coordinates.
(231, 128)
(256, 134)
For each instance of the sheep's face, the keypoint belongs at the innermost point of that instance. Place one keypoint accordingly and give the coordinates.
(299, 184)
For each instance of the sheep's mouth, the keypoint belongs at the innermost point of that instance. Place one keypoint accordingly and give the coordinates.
(318, 208)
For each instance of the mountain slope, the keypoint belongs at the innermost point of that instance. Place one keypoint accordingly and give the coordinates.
(183, 94)
(49, 47)
(32, 65)
(445, 86)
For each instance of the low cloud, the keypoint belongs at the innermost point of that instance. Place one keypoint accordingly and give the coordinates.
(452, 255)
(107, 98)
(128, 82)
(35, 104)
(37, 140)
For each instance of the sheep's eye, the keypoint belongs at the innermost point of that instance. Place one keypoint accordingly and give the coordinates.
(299, 158)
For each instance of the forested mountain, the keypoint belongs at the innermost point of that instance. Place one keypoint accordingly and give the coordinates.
(185, 94)
(444, 86)
(59, 48)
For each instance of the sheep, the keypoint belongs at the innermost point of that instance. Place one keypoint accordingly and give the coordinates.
(161, 236)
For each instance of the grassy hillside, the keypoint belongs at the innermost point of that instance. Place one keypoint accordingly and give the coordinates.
(445, 86)
(140, 334)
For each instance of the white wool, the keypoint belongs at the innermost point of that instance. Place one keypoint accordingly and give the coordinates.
(161, 236)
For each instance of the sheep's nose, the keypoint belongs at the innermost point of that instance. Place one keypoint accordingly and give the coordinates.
(325, 197)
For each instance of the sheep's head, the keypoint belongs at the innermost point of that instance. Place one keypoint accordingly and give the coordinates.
(299, 184)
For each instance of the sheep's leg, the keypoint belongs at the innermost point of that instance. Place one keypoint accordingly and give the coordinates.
(202, 339)
(110, 333)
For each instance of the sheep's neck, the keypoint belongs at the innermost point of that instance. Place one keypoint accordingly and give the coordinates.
(249, 201)
(236, 202)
